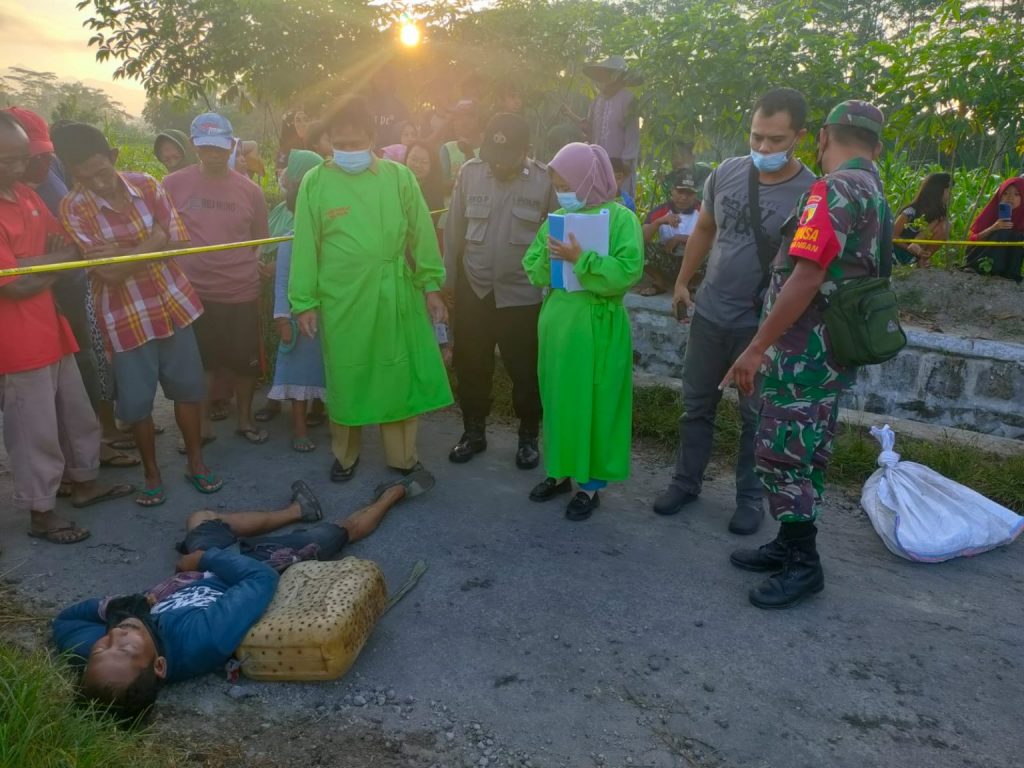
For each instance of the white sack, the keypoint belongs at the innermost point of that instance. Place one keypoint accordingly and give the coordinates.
(926, 517)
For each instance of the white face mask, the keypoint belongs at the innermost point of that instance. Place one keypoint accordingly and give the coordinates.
(569, 201)
(771, 162)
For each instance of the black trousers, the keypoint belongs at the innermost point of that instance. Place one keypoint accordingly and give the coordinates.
(479, 327)
(999, 261)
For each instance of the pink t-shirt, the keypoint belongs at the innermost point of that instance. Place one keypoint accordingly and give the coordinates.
(220, 209)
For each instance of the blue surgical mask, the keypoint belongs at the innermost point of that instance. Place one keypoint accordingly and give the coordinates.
(353, 162)
(569, 201)
(770, 163)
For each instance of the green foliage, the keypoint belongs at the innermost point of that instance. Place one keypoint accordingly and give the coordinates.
(42, 727)
(57, 99)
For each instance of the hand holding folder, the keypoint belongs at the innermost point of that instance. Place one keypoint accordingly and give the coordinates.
(591, 231)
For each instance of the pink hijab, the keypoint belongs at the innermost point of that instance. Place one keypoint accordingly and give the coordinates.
(587, 168)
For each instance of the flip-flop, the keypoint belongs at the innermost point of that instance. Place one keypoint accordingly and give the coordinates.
(254, 436)
(303, 444)
(205, 442)
(205, 483)
(120, 461)
(414, 483)
(151, 497)
(310, 504)
(266, 413)
(53, 535)
(122, 443)
(219, 414)
(116, 492)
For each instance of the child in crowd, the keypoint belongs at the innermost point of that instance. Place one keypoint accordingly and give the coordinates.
(585, 364)
(299, 372)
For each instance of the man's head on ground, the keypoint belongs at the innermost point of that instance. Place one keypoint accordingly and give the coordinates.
(777, 125)
(125, 669)
(351, 129)
(40, 147)
(213, 139)
(684, 195)
(89, 158)
(506, 144)
(853, 129)
(14, 151)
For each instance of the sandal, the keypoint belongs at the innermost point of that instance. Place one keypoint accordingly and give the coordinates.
(310, 504)
(120, 461)
(68, 533)
(303, 444)
(414, 483)
(206, 482)
(219, 412)
(267, 412)
(115, 492)
(205, 442)
(151, 497)
(122, 443)
(254, 436)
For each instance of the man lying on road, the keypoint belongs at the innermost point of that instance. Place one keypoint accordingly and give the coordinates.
(192, 623)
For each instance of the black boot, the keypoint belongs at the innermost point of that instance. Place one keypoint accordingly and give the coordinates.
(472, 442)
(768, 558)
(801, 575)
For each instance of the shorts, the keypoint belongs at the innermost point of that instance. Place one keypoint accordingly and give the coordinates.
(229, 337)
(329, 539)
(173, 362)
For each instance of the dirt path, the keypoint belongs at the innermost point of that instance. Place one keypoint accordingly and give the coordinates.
(624, 641)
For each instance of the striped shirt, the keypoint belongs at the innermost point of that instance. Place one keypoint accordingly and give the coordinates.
(157, 298)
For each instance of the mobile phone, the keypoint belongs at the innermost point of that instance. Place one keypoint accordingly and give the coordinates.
(681, 312)
(1005, 211)
(441, 332)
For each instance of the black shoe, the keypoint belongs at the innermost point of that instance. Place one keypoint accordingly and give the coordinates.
(341, 475)
(672, 499)
(548, 488)
(582, 506)
(527, 457)
(770, 557)
(469, 445)
(800, 578)
(746, 519)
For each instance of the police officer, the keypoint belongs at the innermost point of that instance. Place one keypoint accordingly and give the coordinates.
(497, 207)
(837, 236)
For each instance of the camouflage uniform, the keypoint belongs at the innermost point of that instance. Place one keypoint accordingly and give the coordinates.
(840, 224)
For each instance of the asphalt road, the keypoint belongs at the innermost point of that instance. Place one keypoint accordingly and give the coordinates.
(625, 640)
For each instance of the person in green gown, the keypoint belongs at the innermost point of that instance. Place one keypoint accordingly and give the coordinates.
(366, 274)
(585, 363)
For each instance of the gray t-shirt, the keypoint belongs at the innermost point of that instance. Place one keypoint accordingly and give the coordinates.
(726, 297)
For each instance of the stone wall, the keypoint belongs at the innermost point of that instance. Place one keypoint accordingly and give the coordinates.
(939, 379)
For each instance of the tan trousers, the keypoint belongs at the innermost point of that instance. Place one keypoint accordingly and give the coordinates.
(49, 425)
(399, 438)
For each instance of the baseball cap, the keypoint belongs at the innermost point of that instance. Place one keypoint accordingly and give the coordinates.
(212, 130)
(684, 180)
(506, 139)
(858, 113)
(34, 125)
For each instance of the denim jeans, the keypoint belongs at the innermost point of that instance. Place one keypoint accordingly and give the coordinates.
(710, 352)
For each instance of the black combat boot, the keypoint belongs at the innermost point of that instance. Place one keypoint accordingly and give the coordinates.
(801, 574)
(472, 442)
(768, 558)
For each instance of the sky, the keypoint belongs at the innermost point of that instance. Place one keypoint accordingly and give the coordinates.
(47, 35)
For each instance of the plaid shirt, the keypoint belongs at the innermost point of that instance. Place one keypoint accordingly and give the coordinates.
(157, 298)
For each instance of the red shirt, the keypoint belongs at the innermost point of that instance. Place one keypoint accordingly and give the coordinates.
(32, 334)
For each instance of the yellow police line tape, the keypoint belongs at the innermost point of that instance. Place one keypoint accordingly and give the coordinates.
(108, 260)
